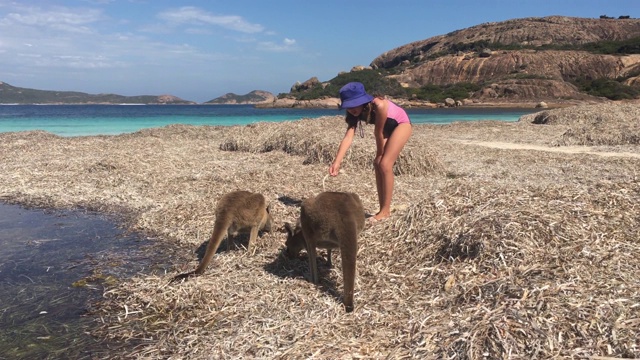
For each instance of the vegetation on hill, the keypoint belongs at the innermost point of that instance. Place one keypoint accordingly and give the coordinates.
(374, 81)
(612, 47)
(611, 89)
(377, 83)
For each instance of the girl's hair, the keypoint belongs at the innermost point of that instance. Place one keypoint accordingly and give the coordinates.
(368, 114)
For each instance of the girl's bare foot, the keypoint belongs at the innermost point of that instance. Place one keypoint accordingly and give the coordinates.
(378, 217)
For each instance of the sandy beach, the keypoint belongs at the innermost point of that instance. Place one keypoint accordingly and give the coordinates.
(507, 240)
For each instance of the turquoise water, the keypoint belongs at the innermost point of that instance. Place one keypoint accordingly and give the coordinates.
(83, 120)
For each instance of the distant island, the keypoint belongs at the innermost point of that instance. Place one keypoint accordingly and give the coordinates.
(17, 95)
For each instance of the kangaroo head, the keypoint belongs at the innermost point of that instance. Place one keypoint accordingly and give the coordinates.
(295, 239)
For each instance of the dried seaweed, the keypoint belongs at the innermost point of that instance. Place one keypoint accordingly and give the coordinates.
(491, 251)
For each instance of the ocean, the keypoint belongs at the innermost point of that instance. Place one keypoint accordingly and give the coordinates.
(86, 120)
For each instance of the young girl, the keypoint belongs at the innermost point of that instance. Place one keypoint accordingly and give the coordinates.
(392, 131)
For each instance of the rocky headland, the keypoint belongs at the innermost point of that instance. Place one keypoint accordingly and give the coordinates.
(554, 60)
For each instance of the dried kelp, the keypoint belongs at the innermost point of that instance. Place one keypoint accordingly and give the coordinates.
(491, 251)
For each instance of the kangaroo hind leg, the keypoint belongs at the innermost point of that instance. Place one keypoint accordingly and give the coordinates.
(348, 252)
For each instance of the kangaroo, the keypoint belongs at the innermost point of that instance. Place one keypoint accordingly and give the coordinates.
(330, 220)
(236, 211)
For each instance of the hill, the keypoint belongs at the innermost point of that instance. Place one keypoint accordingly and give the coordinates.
(554, 58)
(16, 95)
(254, 97)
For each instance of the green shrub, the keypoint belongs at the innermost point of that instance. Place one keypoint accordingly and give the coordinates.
(609, 88)
(617, 47)
(373, 80)
(629, 46)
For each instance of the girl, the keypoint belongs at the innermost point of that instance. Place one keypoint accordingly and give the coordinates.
(392, 131)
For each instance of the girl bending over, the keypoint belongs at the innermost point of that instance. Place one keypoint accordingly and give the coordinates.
(392, 131)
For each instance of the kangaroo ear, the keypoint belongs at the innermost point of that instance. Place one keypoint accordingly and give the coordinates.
(288, 229)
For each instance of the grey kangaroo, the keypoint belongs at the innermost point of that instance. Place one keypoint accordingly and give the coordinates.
(330, 220)
(236, 211)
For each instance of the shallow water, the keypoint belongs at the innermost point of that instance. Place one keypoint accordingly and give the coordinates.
(85, 120)
(53, 266)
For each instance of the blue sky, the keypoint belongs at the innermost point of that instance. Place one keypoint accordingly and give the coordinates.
(200, 50)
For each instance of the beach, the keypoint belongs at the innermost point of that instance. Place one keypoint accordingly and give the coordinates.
(506, 240)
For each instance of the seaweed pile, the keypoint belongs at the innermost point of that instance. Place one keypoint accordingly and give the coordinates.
(490, 252)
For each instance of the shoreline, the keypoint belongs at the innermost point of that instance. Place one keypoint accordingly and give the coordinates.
(86, 120)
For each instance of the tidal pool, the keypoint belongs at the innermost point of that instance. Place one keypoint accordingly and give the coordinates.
(54, 265)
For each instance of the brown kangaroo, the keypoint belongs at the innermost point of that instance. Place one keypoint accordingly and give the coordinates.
(236, 211)
(330, 220)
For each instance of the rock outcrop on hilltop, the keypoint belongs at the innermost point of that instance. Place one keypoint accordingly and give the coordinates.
(551, 30)
(309, 84)
(520, 59)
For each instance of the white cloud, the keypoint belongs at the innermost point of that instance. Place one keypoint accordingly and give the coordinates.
(286, 45)
(99, 2)
(190, 15)
(60, 18)
(68, 61)
(197, 31)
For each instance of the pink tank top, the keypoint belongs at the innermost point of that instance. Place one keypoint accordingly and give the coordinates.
(397, 113)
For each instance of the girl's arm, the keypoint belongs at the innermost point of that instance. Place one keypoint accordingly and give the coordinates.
(342, 150)
(382, 107)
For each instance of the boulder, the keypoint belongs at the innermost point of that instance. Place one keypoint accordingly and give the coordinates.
(305, 85)
(449, 102)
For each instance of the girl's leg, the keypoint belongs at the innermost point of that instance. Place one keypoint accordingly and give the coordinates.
(379, 179)
(384, 168)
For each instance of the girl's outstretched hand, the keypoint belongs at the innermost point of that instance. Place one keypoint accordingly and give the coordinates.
(334, 169)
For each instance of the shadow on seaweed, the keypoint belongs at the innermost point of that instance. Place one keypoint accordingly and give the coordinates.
(239, 241)
(298, 268)
(289, 201)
